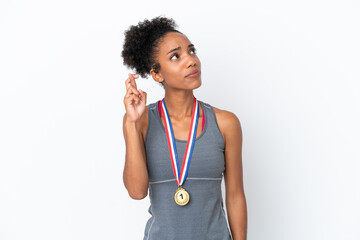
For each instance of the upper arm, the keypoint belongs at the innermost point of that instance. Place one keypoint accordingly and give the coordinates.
(233, 174)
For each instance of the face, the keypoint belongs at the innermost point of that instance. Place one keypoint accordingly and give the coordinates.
(177, 58)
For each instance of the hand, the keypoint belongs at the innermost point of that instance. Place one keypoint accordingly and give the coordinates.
(134, 100)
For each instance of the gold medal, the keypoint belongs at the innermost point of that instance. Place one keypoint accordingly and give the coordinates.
(181, 196)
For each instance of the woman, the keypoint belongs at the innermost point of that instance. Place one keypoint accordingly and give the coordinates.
(179, 144)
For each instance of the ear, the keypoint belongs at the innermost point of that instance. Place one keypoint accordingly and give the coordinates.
(156, 76)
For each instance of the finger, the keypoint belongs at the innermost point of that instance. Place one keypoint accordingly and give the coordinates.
(132, 79)
(131, 89)
(129, 95)
(132, 94)
(131, 99)
(128, 81)
(143, 95)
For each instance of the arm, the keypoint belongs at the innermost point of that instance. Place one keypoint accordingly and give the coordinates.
(233, 175)
(135, 175)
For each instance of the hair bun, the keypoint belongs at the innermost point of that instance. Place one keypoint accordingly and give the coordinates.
(141, 41)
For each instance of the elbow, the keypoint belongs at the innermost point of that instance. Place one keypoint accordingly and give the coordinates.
(138, 196)
(136, 190)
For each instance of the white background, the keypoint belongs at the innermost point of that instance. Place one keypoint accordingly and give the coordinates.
(288, 69)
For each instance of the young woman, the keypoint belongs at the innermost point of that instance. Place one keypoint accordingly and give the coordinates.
(179, 147)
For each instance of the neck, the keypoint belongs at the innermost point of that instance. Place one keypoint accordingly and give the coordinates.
(179, 104)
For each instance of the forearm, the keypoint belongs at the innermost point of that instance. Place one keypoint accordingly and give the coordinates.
(135, 175)
(237, 216)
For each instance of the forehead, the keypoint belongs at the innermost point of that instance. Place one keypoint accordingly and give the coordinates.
(173, 40)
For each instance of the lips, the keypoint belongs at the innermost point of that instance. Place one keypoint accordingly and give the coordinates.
(194, 73)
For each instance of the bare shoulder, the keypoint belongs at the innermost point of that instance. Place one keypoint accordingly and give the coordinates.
(228, 122)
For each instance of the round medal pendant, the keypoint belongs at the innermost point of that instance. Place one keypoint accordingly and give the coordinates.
(181, 196)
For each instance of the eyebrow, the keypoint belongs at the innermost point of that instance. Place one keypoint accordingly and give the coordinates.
(190, 45)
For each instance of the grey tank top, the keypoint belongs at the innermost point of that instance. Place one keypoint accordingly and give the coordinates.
(203, 218)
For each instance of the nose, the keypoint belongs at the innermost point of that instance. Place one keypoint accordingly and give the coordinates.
(191, 61)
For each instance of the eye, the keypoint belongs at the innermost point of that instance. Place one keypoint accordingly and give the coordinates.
(174, 56)
(177, 55)
(194, 50)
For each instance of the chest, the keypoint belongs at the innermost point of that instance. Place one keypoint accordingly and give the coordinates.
(207, 159)
(181, 127)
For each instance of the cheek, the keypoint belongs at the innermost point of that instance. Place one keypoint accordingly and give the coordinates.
(172, 71)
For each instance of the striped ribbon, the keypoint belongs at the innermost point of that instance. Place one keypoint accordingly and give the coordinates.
(181, 176)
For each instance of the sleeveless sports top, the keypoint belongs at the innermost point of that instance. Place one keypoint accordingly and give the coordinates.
(203, 218)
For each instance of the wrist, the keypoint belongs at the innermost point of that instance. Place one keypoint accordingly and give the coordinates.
(131, 124)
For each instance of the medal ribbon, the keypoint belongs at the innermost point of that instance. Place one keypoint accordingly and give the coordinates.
(190, 143)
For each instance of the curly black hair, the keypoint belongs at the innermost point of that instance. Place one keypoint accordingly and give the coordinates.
(141, 44)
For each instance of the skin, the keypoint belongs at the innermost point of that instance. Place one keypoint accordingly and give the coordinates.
(179, 102)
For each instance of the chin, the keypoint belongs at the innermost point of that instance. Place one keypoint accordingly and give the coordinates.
(197, 84)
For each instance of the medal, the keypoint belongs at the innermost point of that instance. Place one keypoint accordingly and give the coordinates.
(181, 196)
